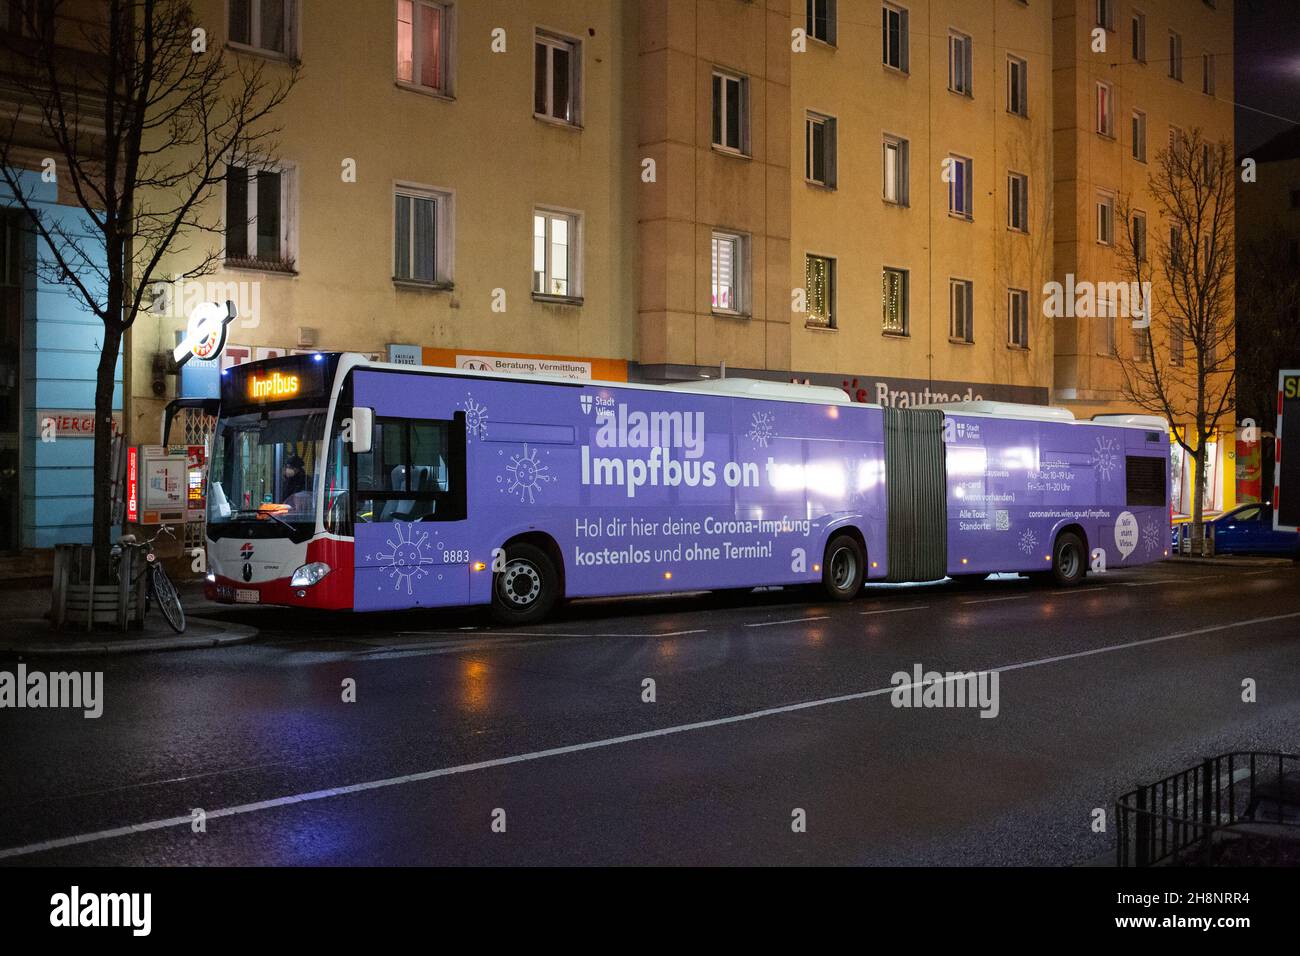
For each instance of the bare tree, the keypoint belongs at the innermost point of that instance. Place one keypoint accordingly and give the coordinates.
(141, 112)
(1184, 368)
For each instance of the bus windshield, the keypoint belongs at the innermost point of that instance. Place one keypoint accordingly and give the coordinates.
(264, 467)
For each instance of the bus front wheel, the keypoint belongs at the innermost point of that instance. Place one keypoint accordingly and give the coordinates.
(526, 588)
(1069, 559)
(844, 568)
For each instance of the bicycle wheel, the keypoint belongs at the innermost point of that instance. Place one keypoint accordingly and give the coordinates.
(169, 602)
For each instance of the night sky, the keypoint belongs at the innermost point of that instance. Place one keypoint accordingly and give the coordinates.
(1267, 70)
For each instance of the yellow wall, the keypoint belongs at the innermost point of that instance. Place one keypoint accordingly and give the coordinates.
(699, 188)
(865, 233)
(484, 145)
(1088, 380)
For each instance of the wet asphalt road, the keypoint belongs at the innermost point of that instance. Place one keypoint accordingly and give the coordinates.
(457, 724)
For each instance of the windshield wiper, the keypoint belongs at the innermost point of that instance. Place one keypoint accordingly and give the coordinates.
(257, 513)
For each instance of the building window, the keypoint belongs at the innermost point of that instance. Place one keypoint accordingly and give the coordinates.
(555, 253)
(1139, 37)
(893, 319)
(1017, 86)
(1106, 14)
(1177, 346)
(1105, 218)
(893, 24)
(821, 20)
(1140, 236)
(1106, 310)
(730, 112)
(961, 311)
(260, 217)
(1175, 56)
(730, 273)
(1175, 248)
(1018, 318)
(1105, 109)
(29, 18)
(421, 235)
(960, 78)
(1175, 138)
(1139, 131)
(424, 44)
(819, 152)
(1018, 202)
(265, 25)
(819, 275)
(1207, 74)
(557, 77)
(896, 170)
(959, 187)
(1141, 343)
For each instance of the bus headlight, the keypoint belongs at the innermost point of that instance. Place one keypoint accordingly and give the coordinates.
(309, 574)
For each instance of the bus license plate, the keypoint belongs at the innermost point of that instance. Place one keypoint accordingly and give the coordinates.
(247, 596)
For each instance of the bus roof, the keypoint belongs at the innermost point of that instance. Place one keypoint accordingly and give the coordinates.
(766, 390)
(758, 389)
(1048, 413)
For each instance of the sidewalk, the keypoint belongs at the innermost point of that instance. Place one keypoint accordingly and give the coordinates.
(27, 632)
(1233, 561)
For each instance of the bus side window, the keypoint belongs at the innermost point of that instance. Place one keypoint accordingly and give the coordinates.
(414, 472)
(1144, 478)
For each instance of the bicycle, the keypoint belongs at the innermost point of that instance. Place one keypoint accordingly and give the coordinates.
(160, 591)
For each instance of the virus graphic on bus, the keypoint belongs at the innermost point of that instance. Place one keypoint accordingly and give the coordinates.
(1152, 536)
(1028, 541)
(476, 418)
(405, 560)
(1105, 457)
(762, 428)
(525, 475)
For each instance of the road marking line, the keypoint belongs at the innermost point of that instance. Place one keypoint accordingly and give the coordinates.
(313, 795)
(507, 634)
(793, 620)
(1265, 571)
(1068, 591)
(1014, 597)
(895, 610)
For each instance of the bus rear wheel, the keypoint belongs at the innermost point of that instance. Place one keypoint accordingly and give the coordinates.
(1069, 559)
(843, 569)
(526, 588)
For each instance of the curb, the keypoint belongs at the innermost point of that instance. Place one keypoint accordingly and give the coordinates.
(1228, 561)
(229, 635)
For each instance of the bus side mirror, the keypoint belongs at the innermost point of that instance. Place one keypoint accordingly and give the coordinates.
(363, 423)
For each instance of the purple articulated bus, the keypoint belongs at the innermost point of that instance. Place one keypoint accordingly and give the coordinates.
(338, 482)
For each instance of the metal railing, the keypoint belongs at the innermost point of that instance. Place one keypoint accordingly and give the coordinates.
(1165, 820)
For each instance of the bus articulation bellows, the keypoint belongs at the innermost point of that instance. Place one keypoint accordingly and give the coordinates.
(351, 484)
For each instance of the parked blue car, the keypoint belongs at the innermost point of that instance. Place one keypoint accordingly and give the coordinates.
(1248, 529)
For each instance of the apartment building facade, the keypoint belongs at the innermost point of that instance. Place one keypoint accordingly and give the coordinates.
(868, 194)
(1129, 78)
(454, 184)
(921, 216)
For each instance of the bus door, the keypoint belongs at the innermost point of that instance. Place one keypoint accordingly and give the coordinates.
(412, 545)
(917, 485)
